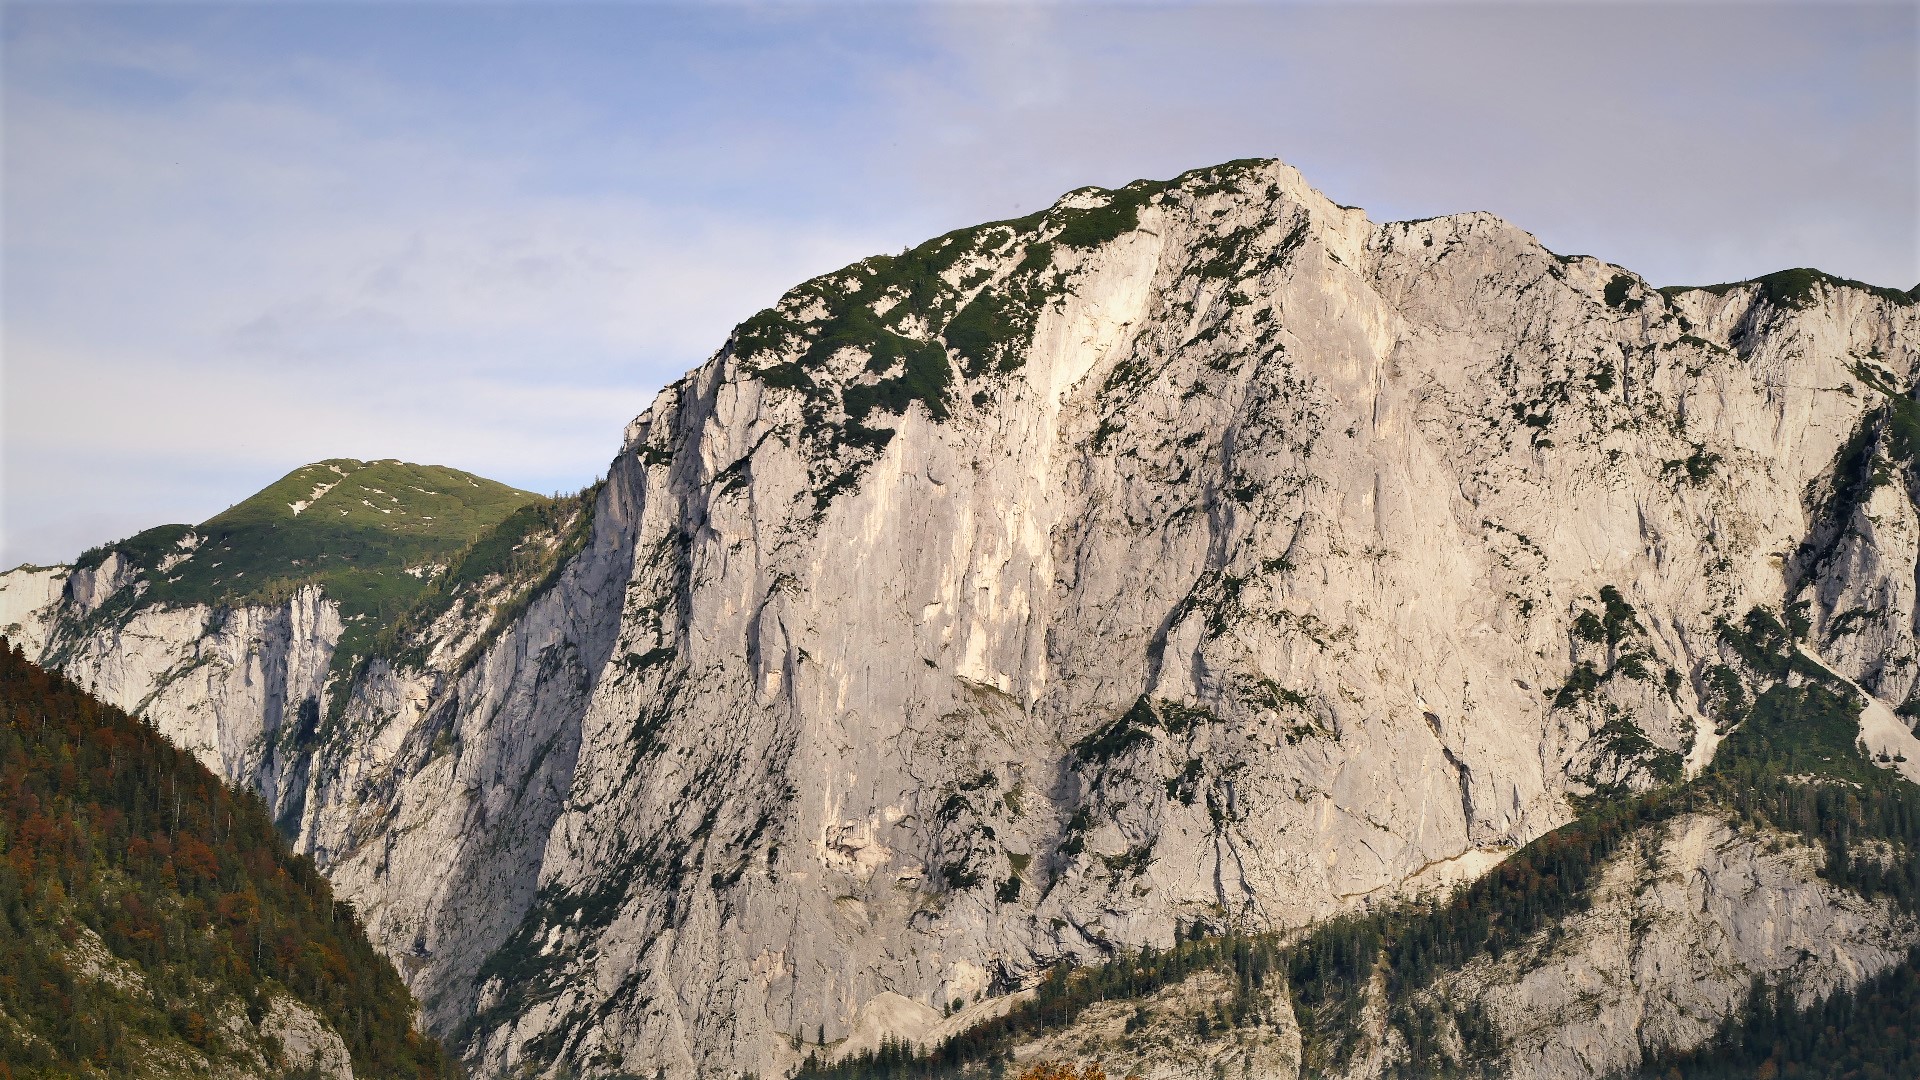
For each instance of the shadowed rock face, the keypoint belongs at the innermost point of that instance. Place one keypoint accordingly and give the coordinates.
(1196, 552)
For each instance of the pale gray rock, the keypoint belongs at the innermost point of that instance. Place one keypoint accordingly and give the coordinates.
(1240, 583)
(29, 599)
(290, 1035)
(304, 1039)
(1681, 925)
(1159, 1038)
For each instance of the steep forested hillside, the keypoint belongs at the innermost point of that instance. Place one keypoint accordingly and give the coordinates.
(153, 923)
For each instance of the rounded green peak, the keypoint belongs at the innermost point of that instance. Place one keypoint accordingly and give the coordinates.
(390, 495)
(371, 534)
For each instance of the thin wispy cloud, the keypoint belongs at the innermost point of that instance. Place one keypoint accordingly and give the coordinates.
(241, 238)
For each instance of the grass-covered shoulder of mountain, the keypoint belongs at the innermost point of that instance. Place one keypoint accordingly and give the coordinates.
(374, 535)
(493, 580)
(1791, 765)
(153, 923)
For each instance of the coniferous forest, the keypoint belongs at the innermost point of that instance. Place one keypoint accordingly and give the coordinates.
(150, 913)
(1871, 1032)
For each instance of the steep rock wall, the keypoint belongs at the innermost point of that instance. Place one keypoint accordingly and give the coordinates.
(240, 687)
(1254, 589)
(1194, 553)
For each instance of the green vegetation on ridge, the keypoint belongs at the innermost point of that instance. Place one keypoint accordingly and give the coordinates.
(373, 535)
(353, 527)
(924, 320)
(511, 564)
(1800, 288)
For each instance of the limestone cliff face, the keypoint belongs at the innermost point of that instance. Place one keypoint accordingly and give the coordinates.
(1681, 923)
(1679, 929)
(1196, 552)
(240, 687)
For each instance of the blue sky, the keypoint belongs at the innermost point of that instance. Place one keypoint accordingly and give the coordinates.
(236, 239)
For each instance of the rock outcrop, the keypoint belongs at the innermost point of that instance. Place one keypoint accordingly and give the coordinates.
(1192, 553)
(229, 684)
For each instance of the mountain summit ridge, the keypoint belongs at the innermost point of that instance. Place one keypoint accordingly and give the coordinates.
(1193, 554)
(317, 562)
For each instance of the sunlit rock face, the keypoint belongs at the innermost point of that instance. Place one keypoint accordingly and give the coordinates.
(1199, 552)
